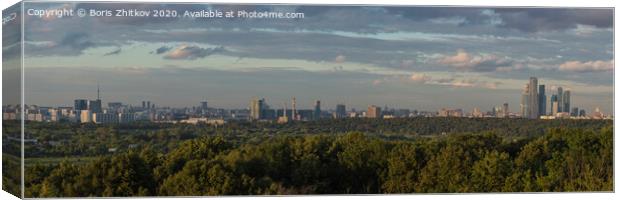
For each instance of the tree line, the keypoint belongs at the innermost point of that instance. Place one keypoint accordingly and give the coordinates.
(70, 139)
(561, 159)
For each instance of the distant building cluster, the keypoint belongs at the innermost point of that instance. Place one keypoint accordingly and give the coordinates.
(533, 105)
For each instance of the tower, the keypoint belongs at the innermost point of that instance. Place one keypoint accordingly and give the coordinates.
(98, 94)
(341, 111)
(95, 105)
(294, 111)
(542, 100)
(256, 109)
(374, 112)
(566, 101)
(317, 110)
(533, 98)
(505, 110)
(560, 97)
(525, 101)
(554, 104)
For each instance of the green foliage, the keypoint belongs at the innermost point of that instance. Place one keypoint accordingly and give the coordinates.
(561, 159)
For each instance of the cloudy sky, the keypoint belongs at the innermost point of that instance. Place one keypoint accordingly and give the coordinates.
(423, 58)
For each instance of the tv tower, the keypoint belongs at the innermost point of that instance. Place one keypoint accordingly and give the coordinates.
(98, 97)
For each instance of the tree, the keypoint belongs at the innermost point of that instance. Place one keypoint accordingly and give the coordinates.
(489, 174)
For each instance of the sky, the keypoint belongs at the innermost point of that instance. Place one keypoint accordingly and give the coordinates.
(423, 58)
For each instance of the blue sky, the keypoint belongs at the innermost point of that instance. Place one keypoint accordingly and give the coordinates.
(423, 58)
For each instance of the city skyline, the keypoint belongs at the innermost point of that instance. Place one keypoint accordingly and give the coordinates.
(541, 102)
(412, 57)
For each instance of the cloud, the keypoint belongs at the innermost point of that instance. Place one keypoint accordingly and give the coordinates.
(77, 41)
(340, 59)
(549, 19)
(522, 19)
(454, 81)
(407, 63)
(115, 52)
(419, 78)
(162, 49)
(589, 66)
(462, 83)
(463, 60)
(465, 83)
(189, 52)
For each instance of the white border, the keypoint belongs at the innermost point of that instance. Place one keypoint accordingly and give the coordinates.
(499, 3)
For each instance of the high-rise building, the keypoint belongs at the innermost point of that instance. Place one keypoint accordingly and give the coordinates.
(554, 104)
(533, 98)
(105, 118)
(257, 109)
(506, 111)
(144, 104)
(542, 100)
(317, 110)
(566, 101)
(95, 106)
(86, 116)
(126, 117)
(294, 109)
(525, 101)
(560, 100)
(284, 117)
(341, 111)
(204, 107)
(374, 112)
(80, 104)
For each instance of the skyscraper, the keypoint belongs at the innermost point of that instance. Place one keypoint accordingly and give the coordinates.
(80, 104)
(533, 98)
(256, 108)
(566, 101)
(294, 109)
(374, 112)
(554, 108)
(95, 106)
(204, 104)
(341, 111)
(554, 104)
(506, 111)
(560, 100)
(525, 101)
(317, 110)
(542, 100)
(203, 107)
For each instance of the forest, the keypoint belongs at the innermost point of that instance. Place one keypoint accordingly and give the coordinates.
(71, 139)
(427, 155)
